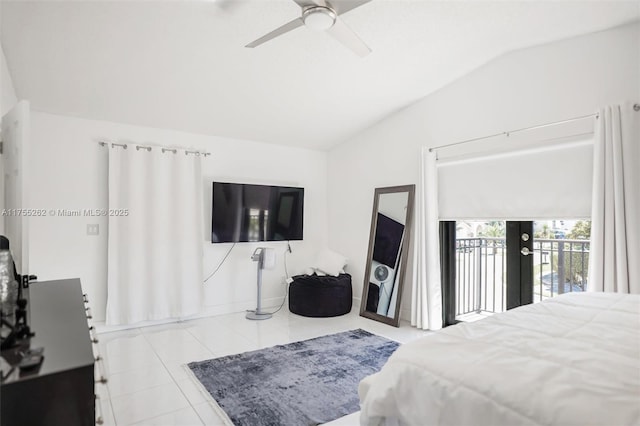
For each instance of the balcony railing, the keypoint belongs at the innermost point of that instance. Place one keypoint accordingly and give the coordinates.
(481, 271)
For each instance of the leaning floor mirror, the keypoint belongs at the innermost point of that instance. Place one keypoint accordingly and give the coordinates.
(388, 251)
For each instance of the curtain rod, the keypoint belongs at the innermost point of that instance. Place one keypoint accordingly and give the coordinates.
(510, 132)
(148, 148)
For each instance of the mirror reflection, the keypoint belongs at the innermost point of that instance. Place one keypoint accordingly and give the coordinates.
(387, 253)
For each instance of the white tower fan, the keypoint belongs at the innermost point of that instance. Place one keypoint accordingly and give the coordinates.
(266, 259)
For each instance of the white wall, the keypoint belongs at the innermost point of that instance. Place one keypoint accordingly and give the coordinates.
(531, 86)
(8, 100)
(70, 172)
(7, 92)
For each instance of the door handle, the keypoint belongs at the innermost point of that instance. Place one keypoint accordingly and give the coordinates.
(525, 251)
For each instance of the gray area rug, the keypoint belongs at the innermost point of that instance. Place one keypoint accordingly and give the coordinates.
(303, 383)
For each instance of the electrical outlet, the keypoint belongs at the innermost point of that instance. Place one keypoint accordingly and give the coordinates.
(93, 229)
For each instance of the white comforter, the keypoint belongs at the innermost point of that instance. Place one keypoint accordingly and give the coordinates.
(571, 360)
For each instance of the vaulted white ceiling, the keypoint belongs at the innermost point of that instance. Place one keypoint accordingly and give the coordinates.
(183, 65)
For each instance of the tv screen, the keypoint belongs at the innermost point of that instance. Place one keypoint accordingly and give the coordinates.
(387, 240)
(245, 213)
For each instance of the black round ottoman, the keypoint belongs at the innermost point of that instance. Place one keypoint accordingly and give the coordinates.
(314, 296)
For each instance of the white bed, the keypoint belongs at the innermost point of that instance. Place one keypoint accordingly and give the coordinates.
(571, 360)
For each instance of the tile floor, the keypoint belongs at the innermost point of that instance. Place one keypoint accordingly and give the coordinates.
(148, 383)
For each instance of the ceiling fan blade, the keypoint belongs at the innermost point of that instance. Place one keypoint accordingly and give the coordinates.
(277, 32)
(226, 4)
(343, 6)
(345, 35)
(306, 3)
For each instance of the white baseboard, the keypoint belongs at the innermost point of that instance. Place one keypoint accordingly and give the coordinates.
(405, 314)
(207, 311)
(356, 304)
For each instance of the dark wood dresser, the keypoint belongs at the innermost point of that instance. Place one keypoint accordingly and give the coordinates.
(61, 390)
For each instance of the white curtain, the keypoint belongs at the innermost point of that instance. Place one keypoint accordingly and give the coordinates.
(155, 248)
(426, 299)
(609, 258)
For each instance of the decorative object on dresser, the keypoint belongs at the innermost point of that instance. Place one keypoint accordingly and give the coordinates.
(9, 286)
(391, 227)
(303, 383)
(13, 306)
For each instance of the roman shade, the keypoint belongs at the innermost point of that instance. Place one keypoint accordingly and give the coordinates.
(546, 174)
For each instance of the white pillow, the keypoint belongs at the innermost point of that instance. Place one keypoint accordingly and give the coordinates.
(330, 263)
(314, 271)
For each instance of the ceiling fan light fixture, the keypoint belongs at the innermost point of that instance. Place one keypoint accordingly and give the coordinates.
(319, 18)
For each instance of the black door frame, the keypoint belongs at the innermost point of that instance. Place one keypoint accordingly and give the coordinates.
(448, 271)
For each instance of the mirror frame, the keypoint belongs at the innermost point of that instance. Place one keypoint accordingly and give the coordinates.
(408, 229)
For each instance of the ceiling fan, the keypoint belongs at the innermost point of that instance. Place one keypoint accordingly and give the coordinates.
(322, 15)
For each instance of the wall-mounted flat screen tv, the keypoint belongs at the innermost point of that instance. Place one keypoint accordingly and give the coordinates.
(246, 213)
